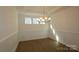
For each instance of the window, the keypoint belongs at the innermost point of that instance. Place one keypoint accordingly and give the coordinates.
(29, 20)
(35, 21)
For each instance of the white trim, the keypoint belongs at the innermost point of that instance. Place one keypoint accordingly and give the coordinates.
(54, 9)
(5, 38)
(68, 31)
(58, 9)
(68, 45)
(14, 48)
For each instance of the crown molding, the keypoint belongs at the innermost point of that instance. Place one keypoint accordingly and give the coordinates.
(58, 9)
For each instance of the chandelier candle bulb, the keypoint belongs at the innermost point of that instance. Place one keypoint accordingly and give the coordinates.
(46, 18)
(49, 18)
(41, 18)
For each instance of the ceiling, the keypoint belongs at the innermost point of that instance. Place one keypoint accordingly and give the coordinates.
(36, 10)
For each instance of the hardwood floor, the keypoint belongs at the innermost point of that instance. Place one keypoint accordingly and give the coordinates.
(42, 45)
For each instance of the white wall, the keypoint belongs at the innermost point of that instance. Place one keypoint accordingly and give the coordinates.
(8, 28)
(66, 23)
(31, 31)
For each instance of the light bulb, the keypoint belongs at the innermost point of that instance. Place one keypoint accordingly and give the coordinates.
(45, 18)
(38, 19)
(49, 18)
(41, 18)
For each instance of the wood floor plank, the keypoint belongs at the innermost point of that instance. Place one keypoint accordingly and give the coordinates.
(42, 45)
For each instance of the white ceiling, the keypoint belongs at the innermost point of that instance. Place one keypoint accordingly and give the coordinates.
(36, 10)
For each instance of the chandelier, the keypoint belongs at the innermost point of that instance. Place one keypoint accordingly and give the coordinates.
(45, 17)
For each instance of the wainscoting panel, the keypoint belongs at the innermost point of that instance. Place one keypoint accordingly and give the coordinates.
(70, 39)
(9, 43)
(30, 35)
